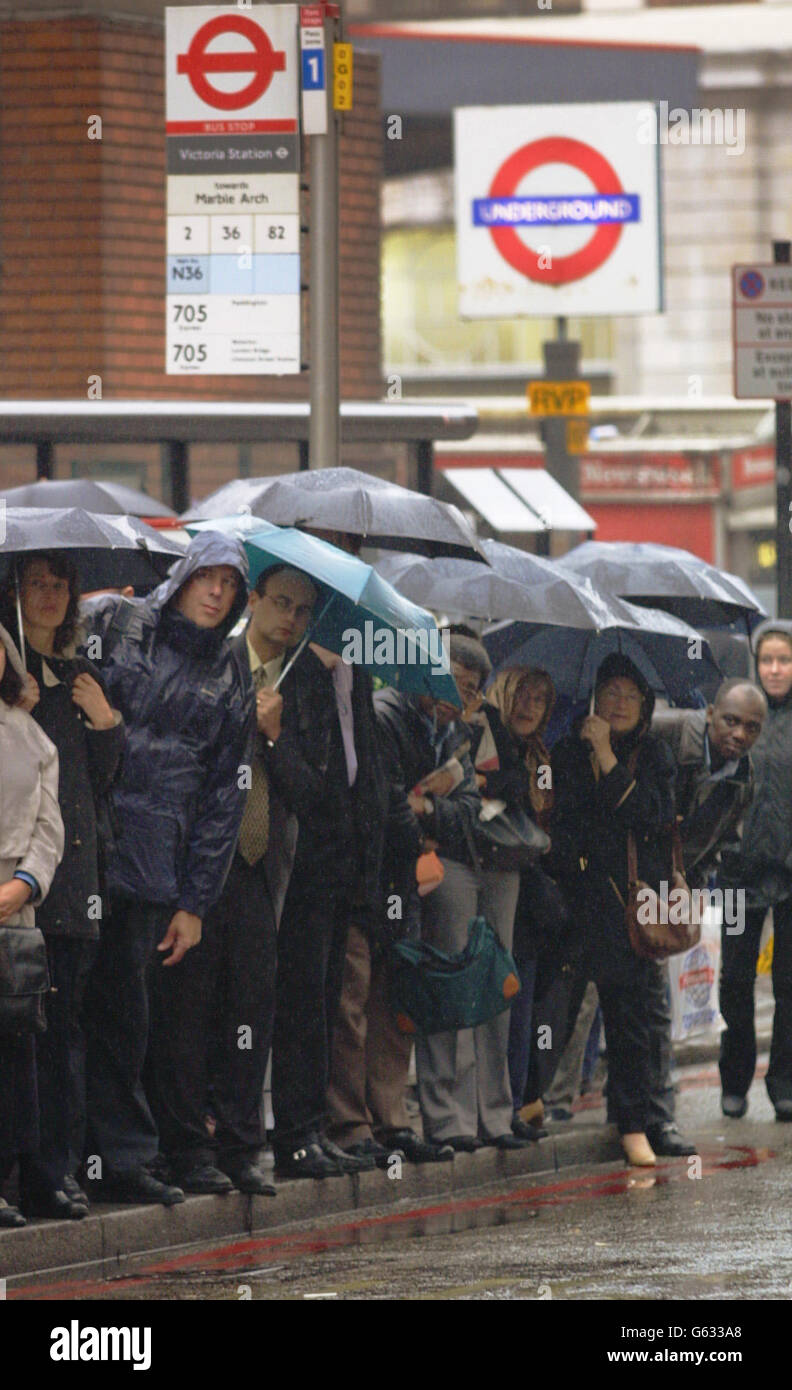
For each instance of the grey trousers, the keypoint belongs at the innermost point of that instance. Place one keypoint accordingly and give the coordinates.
(463, 1078)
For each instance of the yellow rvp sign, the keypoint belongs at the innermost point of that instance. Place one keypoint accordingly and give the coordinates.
(559, 397)
(343, 73)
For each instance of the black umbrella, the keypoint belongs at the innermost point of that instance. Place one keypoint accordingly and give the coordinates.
(345, 499)
(114, 499)
(661, 576)
(111, 551)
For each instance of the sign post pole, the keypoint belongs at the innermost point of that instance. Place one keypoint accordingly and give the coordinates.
(783, 409)
(324, 436)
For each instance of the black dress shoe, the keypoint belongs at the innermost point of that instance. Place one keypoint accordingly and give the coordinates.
(734, 1107)
(52, 1203)
(204, 1179)
(507, 1141)
(10, 1218)
(464, 1143)
(73, 1190)
(369, 1148)
(667, 1142)
(783, 1109)
(530, 1133)
(348, 1162)
(308, 1161)
(137, 1186)
(248, 1177)
(418, 1150)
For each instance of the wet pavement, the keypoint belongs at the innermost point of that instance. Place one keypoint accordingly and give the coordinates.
(717, 1228)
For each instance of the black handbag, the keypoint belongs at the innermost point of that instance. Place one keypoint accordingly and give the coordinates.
(24, 980)
(509, 840)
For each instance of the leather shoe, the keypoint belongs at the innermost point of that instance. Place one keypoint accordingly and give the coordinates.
(248, 1177)
(369, 1148)
(734, 1107)
(205, 1179)
(464, 1143)
(667, 1142)
(508, 1141)
(10, 1218)
(418, 1150)
(783, 1109)
(73, 1190)
(308, 1161)
(52, 1203)
(348, 1162)
(529, 1133)
(137, 1186)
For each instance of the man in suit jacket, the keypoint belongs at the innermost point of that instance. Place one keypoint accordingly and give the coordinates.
(235, 965)
(327, 766)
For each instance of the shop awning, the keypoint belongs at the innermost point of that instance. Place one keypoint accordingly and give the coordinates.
(519, 499)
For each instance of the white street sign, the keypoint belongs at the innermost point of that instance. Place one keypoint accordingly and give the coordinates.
(762, 318)
(557, 210)
(233, 239)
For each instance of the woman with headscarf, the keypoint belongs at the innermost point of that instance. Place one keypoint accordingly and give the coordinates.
(67, 699)
(523, 697)
(31, 844)
(610, 777)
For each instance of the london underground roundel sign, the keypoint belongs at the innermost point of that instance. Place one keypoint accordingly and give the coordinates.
(557, 210)
(556, 150)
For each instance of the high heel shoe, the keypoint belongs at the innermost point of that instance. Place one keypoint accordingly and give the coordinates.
(532, 1113)
(638, 1151)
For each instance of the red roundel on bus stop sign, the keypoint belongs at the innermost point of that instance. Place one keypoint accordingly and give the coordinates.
(262, 61)
(556, 149)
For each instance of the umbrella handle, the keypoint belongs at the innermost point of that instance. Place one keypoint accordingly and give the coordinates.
(303, 643)
(19, 618)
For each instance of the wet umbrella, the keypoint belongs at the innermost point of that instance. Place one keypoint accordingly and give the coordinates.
(661, 576)
(534, 592)
(113, 499)
(110, 551)
(358, 614)
(345, 499)
(674, 658)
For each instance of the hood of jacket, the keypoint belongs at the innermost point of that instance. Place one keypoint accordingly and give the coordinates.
(206, 549)
(771, 627)
(12, 651)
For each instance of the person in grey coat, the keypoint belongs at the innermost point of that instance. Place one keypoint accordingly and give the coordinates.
(31, 846)
(763, 868)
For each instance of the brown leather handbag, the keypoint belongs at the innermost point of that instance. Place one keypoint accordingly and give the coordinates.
(658, 926)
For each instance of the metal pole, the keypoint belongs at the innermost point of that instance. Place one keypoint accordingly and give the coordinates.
(781, 255)
(324, 434)
(45, 457)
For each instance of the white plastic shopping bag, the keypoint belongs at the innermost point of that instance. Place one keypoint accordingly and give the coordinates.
(693, 978)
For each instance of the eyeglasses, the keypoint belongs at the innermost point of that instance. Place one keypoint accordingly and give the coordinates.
(288, 605)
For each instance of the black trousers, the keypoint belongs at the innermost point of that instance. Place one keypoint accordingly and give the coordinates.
(121, 1128)
(60, 1066)
(626, 986)
(311, 952)
(740, 953)
(212, 1018)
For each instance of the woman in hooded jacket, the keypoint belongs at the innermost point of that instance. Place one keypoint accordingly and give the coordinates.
(517, 771)
(611, 777)
(31, 845)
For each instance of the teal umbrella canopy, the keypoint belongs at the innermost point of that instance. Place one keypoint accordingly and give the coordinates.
(358, 614)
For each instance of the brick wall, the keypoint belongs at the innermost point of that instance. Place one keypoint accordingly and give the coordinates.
(82, 222)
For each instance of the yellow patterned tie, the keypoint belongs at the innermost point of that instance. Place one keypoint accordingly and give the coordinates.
(254, 835)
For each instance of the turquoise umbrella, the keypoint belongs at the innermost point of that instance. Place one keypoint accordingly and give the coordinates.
(358, 614)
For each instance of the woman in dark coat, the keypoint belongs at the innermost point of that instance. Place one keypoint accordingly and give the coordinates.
(609, 777)
(68, 702)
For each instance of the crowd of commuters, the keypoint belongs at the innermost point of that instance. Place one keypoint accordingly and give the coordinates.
(220, 846)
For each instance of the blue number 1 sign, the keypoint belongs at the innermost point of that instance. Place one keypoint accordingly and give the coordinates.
(313, 70)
